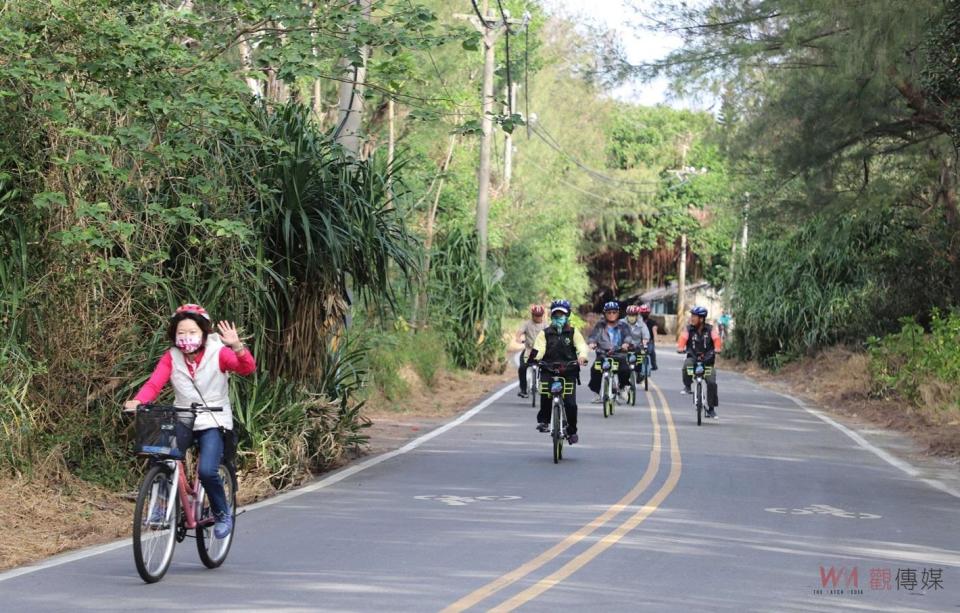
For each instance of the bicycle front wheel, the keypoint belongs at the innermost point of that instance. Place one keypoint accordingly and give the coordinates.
(557, 433)
(699, 404)
(534, 387)
(213, 551)
(155, 524)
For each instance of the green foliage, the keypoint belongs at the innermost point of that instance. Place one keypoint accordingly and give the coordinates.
(426, 353)
(941, 71)
(911, 362)
(290, 432)
(469, 305)
(827, 282)
(423, 351)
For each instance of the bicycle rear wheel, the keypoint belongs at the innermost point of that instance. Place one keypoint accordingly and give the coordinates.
(632, 392)
(155, 523)
(213, 551)
(556, 433)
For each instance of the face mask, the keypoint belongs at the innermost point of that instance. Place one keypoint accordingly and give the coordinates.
(632, 319)
(559, 322)
(189, 344)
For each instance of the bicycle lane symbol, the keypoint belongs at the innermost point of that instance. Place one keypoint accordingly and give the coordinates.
(460, 501)
(823, 509)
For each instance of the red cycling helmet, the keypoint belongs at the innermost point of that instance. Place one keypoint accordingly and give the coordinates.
(644, 309)
(536, 310)
(633, 310)
(192, 308)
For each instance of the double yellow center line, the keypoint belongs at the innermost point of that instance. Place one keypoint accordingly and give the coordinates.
(581, 560)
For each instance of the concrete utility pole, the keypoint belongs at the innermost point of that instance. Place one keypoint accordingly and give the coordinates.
(511, 98)
(746, 215)
(682, 281)
(490, 28)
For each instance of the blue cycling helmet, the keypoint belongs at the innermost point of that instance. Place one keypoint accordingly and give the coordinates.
(560, 305)
(613, 305)
(699, 310)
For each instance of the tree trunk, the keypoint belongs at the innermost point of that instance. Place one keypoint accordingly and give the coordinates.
(351, 95)
(246, 60)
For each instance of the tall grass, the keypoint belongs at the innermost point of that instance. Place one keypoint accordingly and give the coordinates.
(833, 280)
(469, 304)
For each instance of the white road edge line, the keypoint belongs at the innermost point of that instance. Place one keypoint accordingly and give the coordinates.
(884, 455)
(336, 477)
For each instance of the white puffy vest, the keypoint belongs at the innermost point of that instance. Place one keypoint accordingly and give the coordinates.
(208, 386)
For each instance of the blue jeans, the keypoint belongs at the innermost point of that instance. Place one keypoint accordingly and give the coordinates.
(210, 442)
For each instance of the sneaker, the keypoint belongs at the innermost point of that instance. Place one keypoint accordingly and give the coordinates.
(597, 399)
(224, 526)
(686, 390)
(712, 413)
(158, 516)
(573, 439)
(522, 394)
(622, 396)
(543, 427)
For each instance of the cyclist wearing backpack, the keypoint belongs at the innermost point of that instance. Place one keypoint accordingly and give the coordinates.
(198, 365)
(560, 342)
(652, 327)
(608, 336)
(700, 341)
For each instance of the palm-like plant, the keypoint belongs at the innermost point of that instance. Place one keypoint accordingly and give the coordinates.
(326, 221)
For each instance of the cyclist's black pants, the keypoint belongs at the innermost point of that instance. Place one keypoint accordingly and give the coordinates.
(712, 400)
(596, 375)
(522, 374)
(569, 403)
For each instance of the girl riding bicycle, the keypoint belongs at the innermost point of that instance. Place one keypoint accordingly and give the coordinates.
(197, 365)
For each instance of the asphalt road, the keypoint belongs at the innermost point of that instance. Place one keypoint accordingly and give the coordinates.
(759, 511)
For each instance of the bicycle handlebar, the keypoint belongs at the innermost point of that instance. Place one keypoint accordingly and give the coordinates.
(194, 408)
(558, 367)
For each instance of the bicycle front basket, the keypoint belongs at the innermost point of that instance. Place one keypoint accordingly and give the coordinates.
(163, 432)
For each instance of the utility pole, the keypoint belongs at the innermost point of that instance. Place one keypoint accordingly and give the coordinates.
(682, 281)
(511, 98)
(486, 140)
(490, 28)
(746, 214)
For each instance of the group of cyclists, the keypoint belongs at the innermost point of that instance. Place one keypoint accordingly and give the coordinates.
(555, 340)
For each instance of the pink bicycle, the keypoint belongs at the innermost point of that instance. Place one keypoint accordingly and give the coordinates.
(169, 504)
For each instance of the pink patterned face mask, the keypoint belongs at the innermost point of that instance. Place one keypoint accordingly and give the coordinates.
(188, 344)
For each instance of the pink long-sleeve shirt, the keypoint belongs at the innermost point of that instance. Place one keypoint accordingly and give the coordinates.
(229, 362)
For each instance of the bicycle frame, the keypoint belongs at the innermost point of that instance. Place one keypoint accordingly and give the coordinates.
(190, 497)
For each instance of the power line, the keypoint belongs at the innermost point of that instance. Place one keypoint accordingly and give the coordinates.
(545, 136)
(598, 196)
(483, 21)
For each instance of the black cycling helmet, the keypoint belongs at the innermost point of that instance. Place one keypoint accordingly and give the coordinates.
(613, 305)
